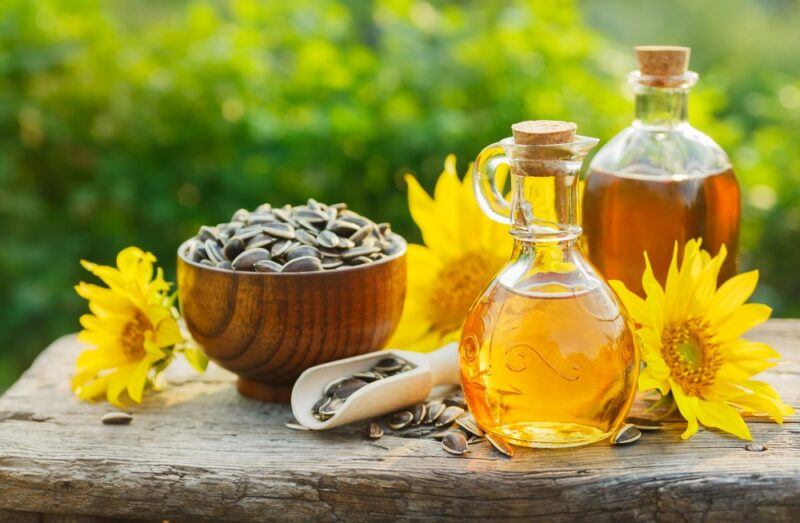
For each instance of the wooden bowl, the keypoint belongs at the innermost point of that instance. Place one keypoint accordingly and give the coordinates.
(267, 328)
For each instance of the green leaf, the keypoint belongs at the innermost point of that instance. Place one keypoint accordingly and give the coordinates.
(196, 358)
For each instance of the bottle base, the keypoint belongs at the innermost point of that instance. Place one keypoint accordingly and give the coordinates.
(550, 435)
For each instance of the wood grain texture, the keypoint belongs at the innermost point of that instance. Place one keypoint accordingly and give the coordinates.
(268, 328)
(200, 451)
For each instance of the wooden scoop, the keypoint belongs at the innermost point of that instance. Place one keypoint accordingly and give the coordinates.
(378, 397)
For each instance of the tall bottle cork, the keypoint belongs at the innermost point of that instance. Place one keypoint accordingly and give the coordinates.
(662, 60)
(543, 132)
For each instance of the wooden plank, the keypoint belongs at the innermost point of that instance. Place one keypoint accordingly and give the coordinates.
(200, 451)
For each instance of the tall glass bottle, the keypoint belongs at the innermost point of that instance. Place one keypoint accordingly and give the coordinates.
(659, 181)
(547, 355)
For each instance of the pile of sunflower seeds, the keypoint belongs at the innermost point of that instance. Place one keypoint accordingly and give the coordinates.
(303, 238)
(336, 392)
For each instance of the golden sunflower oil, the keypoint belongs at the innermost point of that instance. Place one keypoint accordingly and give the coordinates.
(547, 355)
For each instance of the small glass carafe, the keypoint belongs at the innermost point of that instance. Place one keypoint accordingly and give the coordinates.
(659, 181)
(547, 354)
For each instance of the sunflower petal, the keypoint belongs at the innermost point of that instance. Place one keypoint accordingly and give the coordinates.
(633, 303)
(687, 405)
(742, 320)
(723, 417)
(731, 295)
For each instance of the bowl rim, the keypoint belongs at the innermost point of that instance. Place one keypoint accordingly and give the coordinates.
(352, 268)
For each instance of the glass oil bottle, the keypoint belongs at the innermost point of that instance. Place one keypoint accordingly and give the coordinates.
(547, 355)
(659, 181)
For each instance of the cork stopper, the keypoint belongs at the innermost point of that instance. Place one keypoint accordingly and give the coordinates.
(662, 60)
(543, 132)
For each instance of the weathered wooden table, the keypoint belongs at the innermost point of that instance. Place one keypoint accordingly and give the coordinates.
(199, 451)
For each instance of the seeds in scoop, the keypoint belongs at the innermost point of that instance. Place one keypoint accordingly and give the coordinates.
(449, 415)
(116, 418)
(455, 442)
(374, 431)
(331, 264)
(361, 233)
(267, 266)
(261, 240)
(303, 264)
(330, 408)
(361, 260)
(645, 424)
(627, 434)
(467, 422)
(389, 365)
(247, 260)
(368, 376)
(400, 420)
(418, 411)
(500, 443)
(305, 237)
(347, 387)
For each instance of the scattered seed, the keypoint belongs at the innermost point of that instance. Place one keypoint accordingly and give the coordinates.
(755, 447)
(625, 435)
(500, 443)
(374, 431)
(116, 418)
(449, 415)
(419, 411)
(435, 410)
(455, 442)
(400, 420)
(468, 423)
(644, 423)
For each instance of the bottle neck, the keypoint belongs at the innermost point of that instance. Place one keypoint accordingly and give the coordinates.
(661, 107)
(544, 208)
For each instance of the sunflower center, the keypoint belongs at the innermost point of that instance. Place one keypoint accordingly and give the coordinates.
(132, 338)
(692, 355)
(457, 286)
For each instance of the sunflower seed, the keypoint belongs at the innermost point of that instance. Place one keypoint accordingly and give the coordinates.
(282, 215)
(329, 264)
(361, 233)
(441, 433)
(248, 232)
(374, 431)
(327, 239)
(418, 411)
(435, 409)
(500, 443)
(347, 387)
(263, 208)
(455, 442)
(400, 420)
(267, 266)
(224, 264)
(755, 447)
(355, 252)
(626, 434)
(644, 423)
(246, 261)
(296, 426)
(449, 415)
(368, 376)
(214, 251)
(280, 247)
(467, 422)
(208, 233)
(240, 216)
(233, 248)
(303, 250)
(361, 260)
(303, 264)
(260, 240)
(279, 230)
(388, 365)
(330, 408)
(207, 263)
(116, 418)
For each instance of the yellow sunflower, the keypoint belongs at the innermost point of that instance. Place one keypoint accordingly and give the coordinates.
(462, 252)
(690, 334)
(132, 328)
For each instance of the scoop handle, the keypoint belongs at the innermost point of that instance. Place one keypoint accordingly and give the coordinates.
(444, 365)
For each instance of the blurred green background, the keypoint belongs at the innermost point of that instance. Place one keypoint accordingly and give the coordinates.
(133, 122)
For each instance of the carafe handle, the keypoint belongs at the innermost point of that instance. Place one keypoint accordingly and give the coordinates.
(485, 182)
